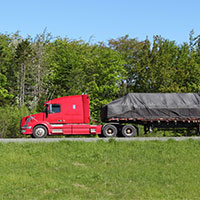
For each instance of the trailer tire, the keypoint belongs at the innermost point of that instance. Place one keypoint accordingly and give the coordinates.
(109, 130)
(40, 131)
(129, 131)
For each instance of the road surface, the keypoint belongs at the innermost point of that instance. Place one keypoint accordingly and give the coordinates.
(20, 140)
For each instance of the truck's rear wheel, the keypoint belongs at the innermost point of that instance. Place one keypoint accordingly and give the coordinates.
(109, 130)
(40, 131)
(129, 131)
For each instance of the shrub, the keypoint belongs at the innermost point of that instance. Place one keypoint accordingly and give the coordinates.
(10, 117)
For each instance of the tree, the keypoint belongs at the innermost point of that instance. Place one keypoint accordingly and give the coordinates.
(40, 65)
(23, 61)
(5, 62)
(129, 48)
(78, 67)
(161, 66)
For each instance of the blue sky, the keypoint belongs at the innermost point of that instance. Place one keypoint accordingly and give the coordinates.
(102, 19)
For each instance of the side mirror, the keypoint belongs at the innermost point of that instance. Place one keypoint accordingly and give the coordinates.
(46, 110)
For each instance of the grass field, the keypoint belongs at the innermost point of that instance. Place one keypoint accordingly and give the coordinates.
(100, 170)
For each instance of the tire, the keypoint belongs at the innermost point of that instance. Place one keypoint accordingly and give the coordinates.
(40, 131)
(129, 131)
(109, 130)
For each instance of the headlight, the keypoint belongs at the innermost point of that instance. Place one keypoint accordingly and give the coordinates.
(25, 126)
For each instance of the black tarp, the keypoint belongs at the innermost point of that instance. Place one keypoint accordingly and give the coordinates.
(153, 106)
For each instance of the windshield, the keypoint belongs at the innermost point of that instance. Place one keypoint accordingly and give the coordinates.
(29, 119)
(52, 108)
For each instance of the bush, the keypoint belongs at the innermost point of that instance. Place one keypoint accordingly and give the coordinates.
(10, 118)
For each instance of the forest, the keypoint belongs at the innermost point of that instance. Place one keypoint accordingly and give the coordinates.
(34, 70)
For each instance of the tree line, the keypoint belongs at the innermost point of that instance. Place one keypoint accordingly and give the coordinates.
(34, 70)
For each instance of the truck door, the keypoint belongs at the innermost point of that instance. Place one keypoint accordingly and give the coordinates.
(55, 117)
(54, 114)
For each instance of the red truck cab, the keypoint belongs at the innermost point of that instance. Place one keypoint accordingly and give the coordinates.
(68, 115)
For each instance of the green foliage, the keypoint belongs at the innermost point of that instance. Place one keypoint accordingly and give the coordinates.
(10, 121)
(5, 60)
(33, 71)
(79, 68)
(100, 170)
(159, 67)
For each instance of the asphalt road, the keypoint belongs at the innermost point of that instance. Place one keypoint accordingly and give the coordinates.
(20, 140)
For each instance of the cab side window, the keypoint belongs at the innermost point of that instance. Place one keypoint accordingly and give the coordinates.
(55, 108)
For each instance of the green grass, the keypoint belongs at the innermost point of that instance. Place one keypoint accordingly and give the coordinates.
(100, 170)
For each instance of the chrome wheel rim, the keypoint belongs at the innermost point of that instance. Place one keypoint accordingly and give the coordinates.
(110, 131)
(39, 132)
(128, 131)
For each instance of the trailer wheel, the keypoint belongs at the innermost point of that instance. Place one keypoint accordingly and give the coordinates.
(40, 131)
(129, 131)
(109, 130)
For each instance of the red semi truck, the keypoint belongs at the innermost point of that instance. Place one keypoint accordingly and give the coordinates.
(62, 116)
(70, 115)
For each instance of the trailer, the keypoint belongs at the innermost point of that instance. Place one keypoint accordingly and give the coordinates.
(151, 110)
(70, 115)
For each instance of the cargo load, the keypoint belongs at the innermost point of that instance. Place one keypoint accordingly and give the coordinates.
(152, 106)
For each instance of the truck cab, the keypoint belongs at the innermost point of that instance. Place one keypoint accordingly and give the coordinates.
(67, 115)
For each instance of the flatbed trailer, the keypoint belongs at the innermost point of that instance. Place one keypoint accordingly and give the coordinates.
(151, 110)
(159, 123)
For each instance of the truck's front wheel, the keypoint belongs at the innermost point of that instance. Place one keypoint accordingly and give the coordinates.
(109, 130)
(40, 131)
